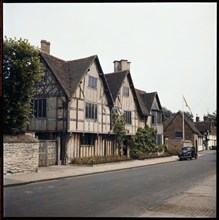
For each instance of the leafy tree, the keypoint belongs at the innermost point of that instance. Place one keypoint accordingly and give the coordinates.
(188, 116)
(167, 113)
(119, 130)
(144, 142)
(21, 70)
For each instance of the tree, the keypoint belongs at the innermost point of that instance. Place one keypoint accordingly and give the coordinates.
(189, 116)
(119, 130)
(143, 142)
(167, 113)
(21, 70)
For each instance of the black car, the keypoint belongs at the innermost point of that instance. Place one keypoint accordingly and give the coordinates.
(188, 153)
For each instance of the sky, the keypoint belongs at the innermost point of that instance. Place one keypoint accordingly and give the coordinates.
(171, 46)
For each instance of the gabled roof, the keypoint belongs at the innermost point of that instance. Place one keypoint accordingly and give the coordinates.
(148, 99)
(70, 73)
(115, 81)
(190, 124)
(203, 126)
(77, 69)
(141, 102)
(60, 69)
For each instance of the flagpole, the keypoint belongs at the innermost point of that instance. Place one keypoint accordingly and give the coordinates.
(183, 124)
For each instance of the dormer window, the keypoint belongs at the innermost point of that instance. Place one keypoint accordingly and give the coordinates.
(125, 91)
(92, 82)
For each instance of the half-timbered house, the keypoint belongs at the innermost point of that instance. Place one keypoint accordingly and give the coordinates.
(73, 102)
(155, 118)
(125, 98)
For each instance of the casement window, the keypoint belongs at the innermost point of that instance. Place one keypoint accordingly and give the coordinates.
(92, 82)
(156, 117)
(39, 108)
(90, 111)
(128, 117)
(125, 91)
(88, 139)
(159, 138)
(178, 134)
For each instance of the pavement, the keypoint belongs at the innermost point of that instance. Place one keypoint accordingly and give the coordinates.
(202, 196)
(66, 171)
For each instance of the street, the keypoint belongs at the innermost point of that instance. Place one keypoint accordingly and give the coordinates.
(124, 193)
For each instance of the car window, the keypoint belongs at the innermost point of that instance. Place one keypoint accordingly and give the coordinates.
(186, 148)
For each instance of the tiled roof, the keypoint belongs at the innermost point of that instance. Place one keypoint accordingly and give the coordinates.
(60, 69)
(77, 69)
(148, 99)
(141, 102)
(203, 126)
(70, 73)
(191, 124)
(115, 81)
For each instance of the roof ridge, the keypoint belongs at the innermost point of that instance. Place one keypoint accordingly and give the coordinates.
(94, 56)
(43, 53)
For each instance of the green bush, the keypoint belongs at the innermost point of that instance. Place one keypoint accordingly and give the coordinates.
(98, 159)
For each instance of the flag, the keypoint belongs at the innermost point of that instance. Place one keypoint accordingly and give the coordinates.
(187, 104)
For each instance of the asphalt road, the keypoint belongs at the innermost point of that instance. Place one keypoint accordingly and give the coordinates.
(124, 193)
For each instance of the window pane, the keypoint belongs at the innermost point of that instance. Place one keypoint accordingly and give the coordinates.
(92, 82)
(91, 111)
(128, 117)
(178, 134)
(39, 108)
(125, 91)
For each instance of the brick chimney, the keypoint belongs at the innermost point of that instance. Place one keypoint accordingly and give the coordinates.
(121, 65)
(45, 46)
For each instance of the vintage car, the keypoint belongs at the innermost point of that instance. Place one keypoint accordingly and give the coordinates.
(188, 153)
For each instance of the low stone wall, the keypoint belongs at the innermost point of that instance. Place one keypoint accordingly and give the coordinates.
(175, 146)
(21, 157)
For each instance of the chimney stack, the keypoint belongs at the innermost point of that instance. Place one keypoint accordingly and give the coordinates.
(45, 46)
(121, 65)
(206, 118)
(197, 118)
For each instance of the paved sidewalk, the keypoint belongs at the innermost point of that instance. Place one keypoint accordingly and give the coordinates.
(65, 171)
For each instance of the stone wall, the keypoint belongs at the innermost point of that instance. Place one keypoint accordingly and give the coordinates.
(21, 157)
(174, 146)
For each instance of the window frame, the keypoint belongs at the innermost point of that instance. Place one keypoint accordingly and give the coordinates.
(128, 117)
(92, 82)
(40, 108)
(91, 111)
(125, 91)
(88, 139)
(180, 134)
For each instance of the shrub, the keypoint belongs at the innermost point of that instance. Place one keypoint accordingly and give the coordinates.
(98, 159)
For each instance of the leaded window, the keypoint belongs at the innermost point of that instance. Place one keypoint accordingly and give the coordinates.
(90, 111)
(128, 117)
(39, 108)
